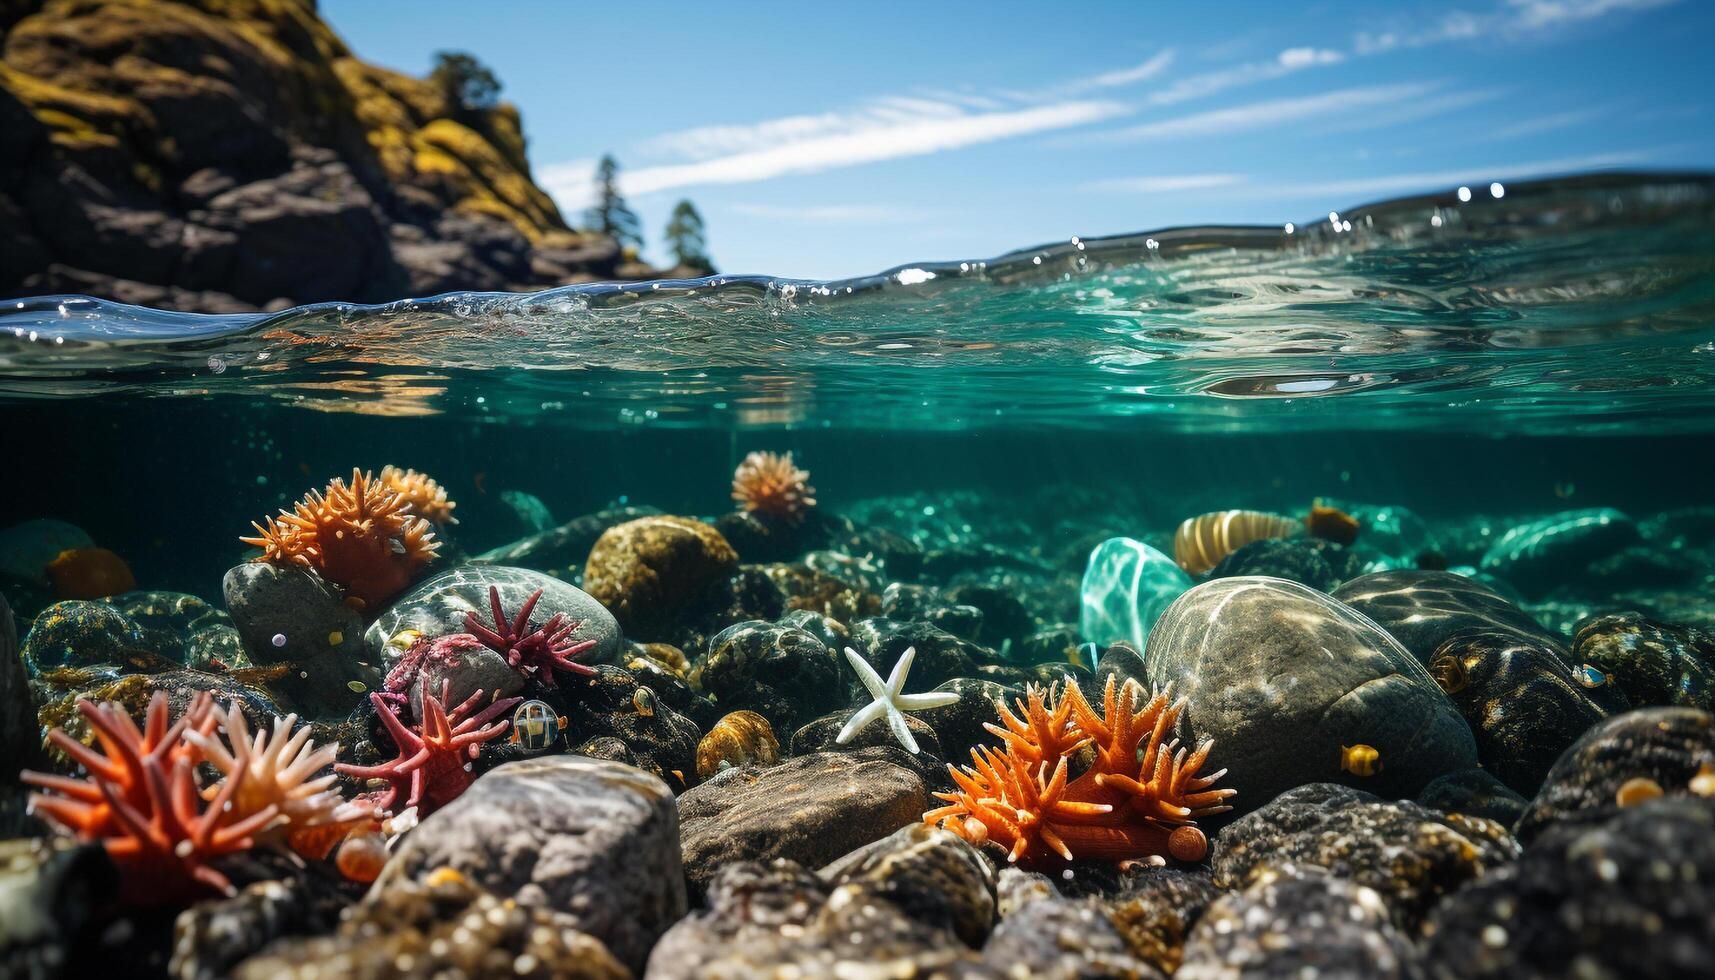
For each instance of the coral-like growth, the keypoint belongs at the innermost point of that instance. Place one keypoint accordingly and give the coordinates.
(769, 483)
(433, 762)
(141, 801)
(426, 498)
(276, 772)
(532, 651)
(1138, 799)
(364, 538)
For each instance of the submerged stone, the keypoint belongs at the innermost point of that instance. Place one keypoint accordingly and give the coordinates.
(1558, 549)
(1424, 609)
(1286, 680)
(1652, 662)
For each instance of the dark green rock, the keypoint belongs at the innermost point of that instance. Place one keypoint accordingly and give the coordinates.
(1652, 662)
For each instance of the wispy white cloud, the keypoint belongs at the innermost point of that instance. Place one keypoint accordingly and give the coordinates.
(1543, 124)
(1143, 72)
(1413, 111)
(830, 214)
(1208, 83)
(1272, 112)
(1167, 184)
(807, 144)
(1440, 179)
(1515, 19)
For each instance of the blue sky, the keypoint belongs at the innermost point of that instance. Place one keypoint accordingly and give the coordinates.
(823, 141)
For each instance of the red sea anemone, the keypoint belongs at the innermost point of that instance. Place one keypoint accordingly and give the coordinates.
(532, 651)
(434, 760)
(364, 538)
(141, 801)
(1138, 799)
(769, 483)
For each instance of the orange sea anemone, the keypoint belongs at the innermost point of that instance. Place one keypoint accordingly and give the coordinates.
(283, 771)
(89, 573)
(769, 483)
(1137, 801)
(141, 801)
(364, 538)
(426, 498)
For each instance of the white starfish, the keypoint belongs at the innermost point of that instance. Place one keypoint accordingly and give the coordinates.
(890, 699)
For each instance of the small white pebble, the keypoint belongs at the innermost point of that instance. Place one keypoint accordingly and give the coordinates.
(279, 639)
(1494, 937)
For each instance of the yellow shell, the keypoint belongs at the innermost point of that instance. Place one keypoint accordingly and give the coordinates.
(1703, 784)
(1360, 760)
(1640, 789)
(740, 739)
(1202, 542)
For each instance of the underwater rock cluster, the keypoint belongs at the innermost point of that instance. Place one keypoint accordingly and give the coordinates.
(681, 754)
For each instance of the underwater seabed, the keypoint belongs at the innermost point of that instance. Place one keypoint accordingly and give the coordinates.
(582, 702)
(1335, 600)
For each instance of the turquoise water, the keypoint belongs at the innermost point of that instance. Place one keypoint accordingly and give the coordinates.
(1575, 306)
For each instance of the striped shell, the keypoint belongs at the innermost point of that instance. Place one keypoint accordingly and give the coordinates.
(1202, 542)
(740, 739)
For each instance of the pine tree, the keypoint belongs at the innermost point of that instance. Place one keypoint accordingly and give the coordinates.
(611, 215)
(468, 83)
(686, 241)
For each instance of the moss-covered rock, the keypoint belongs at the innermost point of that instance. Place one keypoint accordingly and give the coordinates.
(203, 154)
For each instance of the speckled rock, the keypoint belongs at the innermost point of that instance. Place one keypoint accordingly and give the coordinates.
(779, 920)
(810, 809)
(1282, 677)
(805, 588)
(1668, 746)
(447, 926)
(289, 616)
(784, 674)
(1004, 617)
(212, 937)
(932, 875)
(905, 602)
(615, 704)
(592, 840)
(169, 619)
(819, 735)
(941, 656)
(134, 691)
(1299, 922)
(215, 648)
(959, 726)
(761, 537)
(1651, 662)
(438, 605)
(1410, 854)
(1059, 938)
(1424, 609)
(460, 665)
(1156, 910)
(1629, 895)
(1475, 793)
(86, 633)
(1524, 704)
(1558, 549)
(647, 571)
(1307, 561)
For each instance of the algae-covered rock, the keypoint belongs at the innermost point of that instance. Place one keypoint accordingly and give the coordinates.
(221, 157)
(650, 570)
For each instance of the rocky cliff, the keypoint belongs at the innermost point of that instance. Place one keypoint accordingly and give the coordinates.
(224, 155)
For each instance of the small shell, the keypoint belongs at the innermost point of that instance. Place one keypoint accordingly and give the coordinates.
(1450, 673)
(741, 738)
(1332, 524)
(644, 701)
(1202, 542)
(1641, 789)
